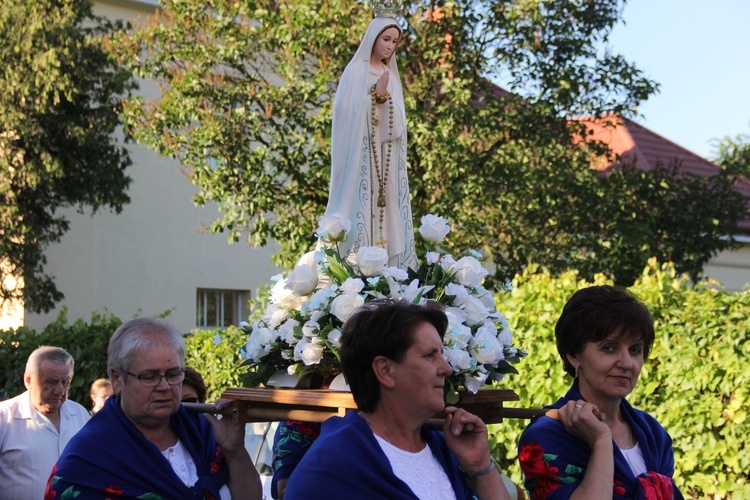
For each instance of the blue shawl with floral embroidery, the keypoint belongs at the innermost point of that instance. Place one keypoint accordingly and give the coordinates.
(346, 461)
(111, 457)
(554, 462)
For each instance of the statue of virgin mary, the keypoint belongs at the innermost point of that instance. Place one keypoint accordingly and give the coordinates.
(369, 183)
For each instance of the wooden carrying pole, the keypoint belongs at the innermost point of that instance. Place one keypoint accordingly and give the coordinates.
(317, 405)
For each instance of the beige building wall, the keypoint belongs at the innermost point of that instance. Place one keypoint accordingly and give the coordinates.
(732, 268)
(154, 255)
(150, 258)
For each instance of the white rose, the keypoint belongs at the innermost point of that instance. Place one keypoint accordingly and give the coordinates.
(267, 337)
(253, 348)
(333, 227)
(352, 285)
(434, 228)
(275, 315)
(310, 329)
(476, 381)
(432, 257)
(455, 315)
(258, 344)
(371, 260)
(345, 304)
(485, 296)
(458, 291)
(461, 334)
(458, 359)
(303, 279)
(469, 272)
(395, 273)
(281, 295)
(316, 315)
(505, 337)
(286, 331)
(475, 311)
(488, 327)
(486, 348)
(310, 353)
(446, 262)
(334, 337)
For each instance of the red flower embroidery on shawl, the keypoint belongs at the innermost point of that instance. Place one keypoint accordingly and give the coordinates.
(618, 488)
(656, 486)
(308, 429)
(216, 464)
(538, 471)
(49, 492)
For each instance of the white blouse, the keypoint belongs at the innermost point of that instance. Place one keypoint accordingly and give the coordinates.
(184, 466)
(420, 471)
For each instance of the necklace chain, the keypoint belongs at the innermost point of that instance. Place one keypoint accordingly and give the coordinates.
(631, 440)
(381, 177)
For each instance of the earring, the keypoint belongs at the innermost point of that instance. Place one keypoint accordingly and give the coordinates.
(576, 372)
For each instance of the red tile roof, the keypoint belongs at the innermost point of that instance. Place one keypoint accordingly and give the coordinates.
(633, 142)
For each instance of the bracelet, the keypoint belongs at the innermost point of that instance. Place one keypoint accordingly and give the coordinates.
(479, 473)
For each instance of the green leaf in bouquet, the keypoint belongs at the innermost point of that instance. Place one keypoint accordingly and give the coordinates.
(336, 270)
(334, 350)
(297, 330)
(326, 329)
(451, 396)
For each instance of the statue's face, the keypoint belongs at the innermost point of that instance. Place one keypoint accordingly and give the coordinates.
(386, 43)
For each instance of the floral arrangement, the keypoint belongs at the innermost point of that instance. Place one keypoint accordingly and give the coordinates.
(300, 330)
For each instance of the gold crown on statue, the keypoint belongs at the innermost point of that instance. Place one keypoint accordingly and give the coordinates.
(386, 8)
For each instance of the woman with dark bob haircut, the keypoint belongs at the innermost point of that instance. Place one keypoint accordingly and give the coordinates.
(599, 446)
(391, 356)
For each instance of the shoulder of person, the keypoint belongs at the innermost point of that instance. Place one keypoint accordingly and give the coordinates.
(542, 426)
(16, 405)
(649, 420)
(10, 403)
(76, 409)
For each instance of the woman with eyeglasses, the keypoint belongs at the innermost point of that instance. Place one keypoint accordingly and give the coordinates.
(143, 443)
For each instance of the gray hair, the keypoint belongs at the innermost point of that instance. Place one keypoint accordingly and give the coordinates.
(48, 353)
(141, 333)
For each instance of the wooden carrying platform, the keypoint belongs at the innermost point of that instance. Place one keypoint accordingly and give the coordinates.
(316, 405)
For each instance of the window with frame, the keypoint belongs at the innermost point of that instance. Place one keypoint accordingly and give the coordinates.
(220, 308)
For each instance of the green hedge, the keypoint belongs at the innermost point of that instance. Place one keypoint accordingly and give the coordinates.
(86, 342)
(695, 381)
(218, 363)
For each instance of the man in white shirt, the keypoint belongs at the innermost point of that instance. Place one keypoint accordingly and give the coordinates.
(36, 425)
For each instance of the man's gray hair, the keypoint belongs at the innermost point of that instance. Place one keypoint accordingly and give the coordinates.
(138, 334)
(48, 353)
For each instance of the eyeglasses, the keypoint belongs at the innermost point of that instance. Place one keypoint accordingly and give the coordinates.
(153, 379)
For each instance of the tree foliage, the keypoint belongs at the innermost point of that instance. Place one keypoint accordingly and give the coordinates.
(58, 110)
(247, 92)
(733, 154)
